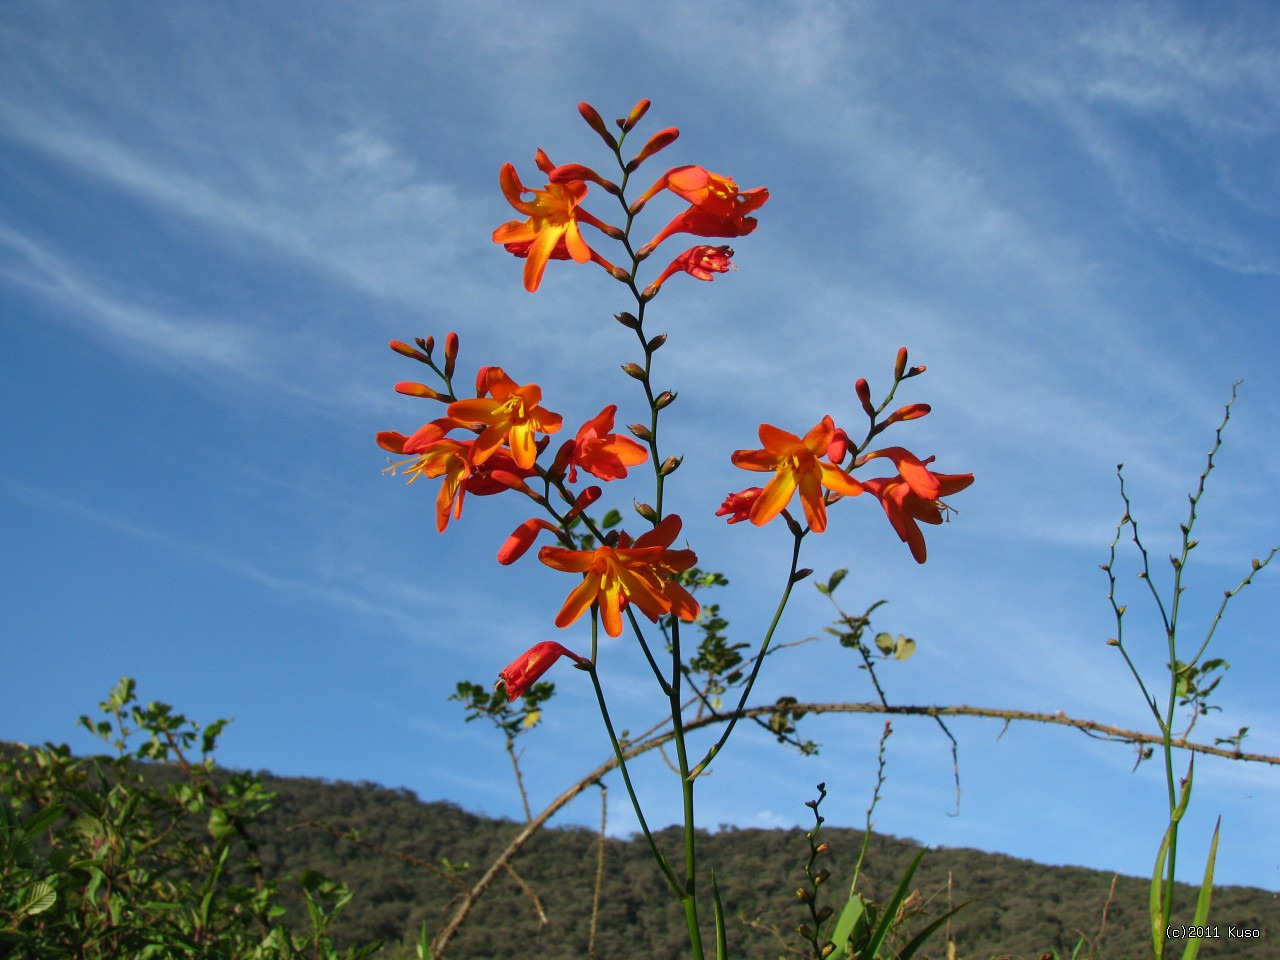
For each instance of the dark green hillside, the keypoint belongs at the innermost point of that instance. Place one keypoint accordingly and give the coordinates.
(406, 862)
(1020, 908)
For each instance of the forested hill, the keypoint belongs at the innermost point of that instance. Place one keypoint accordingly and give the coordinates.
(380, 841)
(407, 862)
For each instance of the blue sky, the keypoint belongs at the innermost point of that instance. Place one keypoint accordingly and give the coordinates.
(214, 217)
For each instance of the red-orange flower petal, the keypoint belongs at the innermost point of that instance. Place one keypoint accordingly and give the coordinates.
(796, 464)
(512, 415)
(904, 507)
(602, 453)
(617, 576)
(528, 668)
(553, 218)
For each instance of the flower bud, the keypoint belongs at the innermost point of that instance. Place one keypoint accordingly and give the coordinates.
(450, 353)
(633, 370)
(822, 876)
(585, 499)
(656, 342)
(640, 431)
(912, 411)
(627, 320)
(828, 949)
(670, 466)
(824, 914)
(863, 390)
(915, 371)
(659, 141)
(645, 511)
(427, 345)
(407, 351)
(410, 389)
(801, 574)
(639, 110)
(823, 847)
(900, 365)
(804, 895)
(664, 399)
(804, 931)
(595, 123)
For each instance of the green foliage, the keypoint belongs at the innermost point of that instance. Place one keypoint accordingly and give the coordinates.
(99, 860)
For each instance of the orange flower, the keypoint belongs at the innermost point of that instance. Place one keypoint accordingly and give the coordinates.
(436, 456)
(511, 415)
(527, 668)
(795, 463)
(553, 221)
(616, 576)
(718, 208)
(599, 452)
(904, 506)
(914, 471)
(699, 262)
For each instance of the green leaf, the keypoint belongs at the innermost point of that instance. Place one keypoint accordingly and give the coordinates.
(846, 922)
(40, 896)
(891, 908)
(1157, 900)
(1206, 895)
(904, 649)
(884, 642)
(611, 519)
(919, 939)
(836, 578)
(722, 948)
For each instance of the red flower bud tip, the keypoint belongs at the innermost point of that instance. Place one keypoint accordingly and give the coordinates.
(410, 389)
(863, 389)
(563, 456)
(529, 667)
(659, 141)
(595, 123)
(427, 345)
(839, 446)
(585, 499)
(522, 538)
(407, 351)
(450, 353)
(900, 367)
(912, 411)
(571, 172)
(737, 506)
(631, 119)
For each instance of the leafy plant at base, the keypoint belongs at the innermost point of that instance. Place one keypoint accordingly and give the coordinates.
(145, 854)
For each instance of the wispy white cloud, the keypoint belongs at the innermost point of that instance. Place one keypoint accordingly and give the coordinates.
(350, 205)
(191, 342)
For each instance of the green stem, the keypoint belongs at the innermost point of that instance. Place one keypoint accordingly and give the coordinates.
(764, 649)
(622, 767)
(689, 899)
